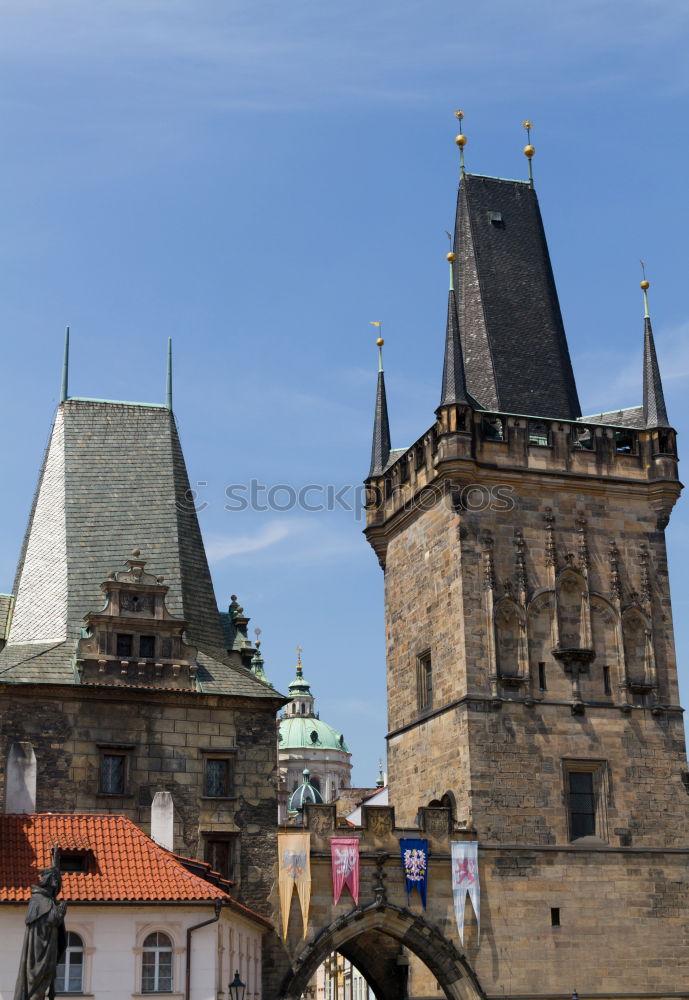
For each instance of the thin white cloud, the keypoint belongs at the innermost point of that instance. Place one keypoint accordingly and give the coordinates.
(238, 545)
(304, 541)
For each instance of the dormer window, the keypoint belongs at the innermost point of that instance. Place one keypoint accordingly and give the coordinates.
(74, 861)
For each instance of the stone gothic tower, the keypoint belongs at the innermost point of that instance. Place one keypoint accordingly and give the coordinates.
(531, 668)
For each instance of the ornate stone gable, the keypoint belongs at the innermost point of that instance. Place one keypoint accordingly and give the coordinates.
(133, 639)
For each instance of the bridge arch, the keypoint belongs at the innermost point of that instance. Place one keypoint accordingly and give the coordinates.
(370, 938)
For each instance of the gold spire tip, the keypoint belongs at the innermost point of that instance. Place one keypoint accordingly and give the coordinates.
(380, 342)
(644, 284)
(459, 114)
(461, 140)
(451, 256)
(529, 150)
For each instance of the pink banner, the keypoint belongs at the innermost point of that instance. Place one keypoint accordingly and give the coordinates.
(344, 852)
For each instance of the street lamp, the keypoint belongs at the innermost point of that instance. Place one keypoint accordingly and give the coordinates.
(236, 987)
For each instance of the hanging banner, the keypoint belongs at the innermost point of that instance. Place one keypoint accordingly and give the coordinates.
(415, 863)
(465, 880)
(344, 852)
(294, 863)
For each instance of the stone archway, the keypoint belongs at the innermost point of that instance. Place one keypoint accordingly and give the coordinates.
(370, 938)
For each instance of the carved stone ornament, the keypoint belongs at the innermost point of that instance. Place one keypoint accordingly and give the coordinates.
(320, 819)
(379, 891)
(615, 582)
(378, 820)
(435, 821)
(488, 568)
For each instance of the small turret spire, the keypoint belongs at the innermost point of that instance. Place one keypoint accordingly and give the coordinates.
(168, 380)
(64, 390)
(380, 780)
(257, 661)
(655, 412)
(454, 389)
(460, 140)
(529, 150)
(380, 451)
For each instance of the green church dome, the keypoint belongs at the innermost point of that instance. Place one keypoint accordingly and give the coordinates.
(299, 732)
(303, 795)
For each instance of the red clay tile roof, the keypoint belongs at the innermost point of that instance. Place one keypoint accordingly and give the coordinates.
(124, 865)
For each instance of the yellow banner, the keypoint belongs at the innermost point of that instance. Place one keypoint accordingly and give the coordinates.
(294, 862)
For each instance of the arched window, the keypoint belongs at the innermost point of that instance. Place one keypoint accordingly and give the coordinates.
(69, 976)
(156, 966)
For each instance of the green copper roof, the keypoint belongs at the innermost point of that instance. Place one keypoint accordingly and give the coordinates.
(304, 794)
(299, 732)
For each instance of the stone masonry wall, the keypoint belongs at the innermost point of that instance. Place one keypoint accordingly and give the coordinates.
(167, 736)
(502, 755)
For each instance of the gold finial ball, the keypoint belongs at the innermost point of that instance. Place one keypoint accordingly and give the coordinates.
(645, 284)
(529, 151)
(527, 124)
(380, 342)
(461, 140)
(451, 256)
(459, 115)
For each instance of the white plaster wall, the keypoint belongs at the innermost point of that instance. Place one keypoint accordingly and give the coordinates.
(113, 935)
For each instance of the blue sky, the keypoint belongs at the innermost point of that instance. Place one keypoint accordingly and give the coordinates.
(259, 180)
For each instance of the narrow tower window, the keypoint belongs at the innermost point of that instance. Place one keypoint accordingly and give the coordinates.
(424, 681)
(606, 680)
(541, 677)
(554, 916)
(582, 805)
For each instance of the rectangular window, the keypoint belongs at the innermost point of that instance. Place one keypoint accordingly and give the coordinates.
(113, 773)
(147, 647)
(582, 805)
(218, 781)
(124, 645)
(541, 677)
(424, 681)
(554, 916)
(606, 680)
(221, 855)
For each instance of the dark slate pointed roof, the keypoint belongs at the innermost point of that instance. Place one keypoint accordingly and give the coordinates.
(454, 389)
(655, 412)
(516, 357)
(380, 451)
(113, 479)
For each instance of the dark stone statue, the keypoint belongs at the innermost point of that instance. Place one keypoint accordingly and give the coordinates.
(45, 939)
